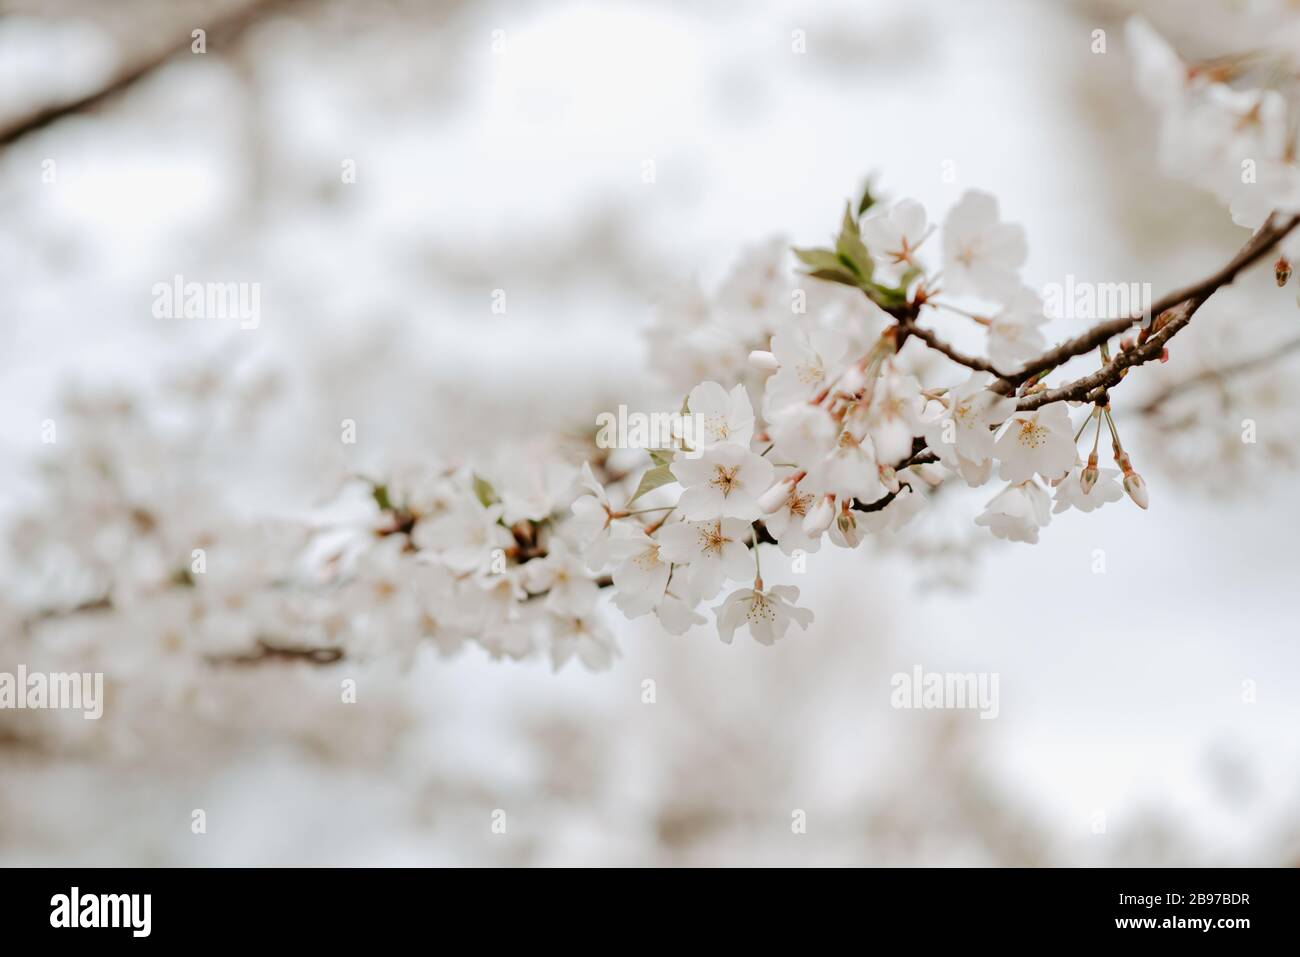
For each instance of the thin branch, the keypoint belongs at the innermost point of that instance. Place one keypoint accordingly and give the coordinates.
(937, 344)
(1213, 376)
(225, 31)
(1188, 300)
(266, 651)
(921, 455)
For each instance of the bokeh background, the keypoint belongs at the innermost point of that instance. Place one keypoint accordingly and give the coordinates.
(502, 145)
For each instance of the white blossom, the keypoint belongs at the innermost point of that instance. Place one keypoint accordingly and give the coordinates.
(1017, 512)
(677, 616)
(1037, 442)
(805, 363)
(892, 237)
(1014, 332)
(585, 637)
(850, 471)
(1162, 77)
(641, 575)
(894, 415)
(465, 536)
(962, 433)
(767, 614)
(802, 432)
(786, 523)
(562, 575)
(1070, 493)
(982, 255)
(718, 416)
(712, 550)
(722, 482)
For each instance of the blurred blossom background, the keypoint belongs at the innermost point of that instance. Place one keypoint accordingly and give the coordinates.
(1147, 714)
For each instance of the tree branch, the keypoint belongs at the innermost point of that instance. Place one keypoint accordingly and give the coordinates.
(1209, 376)
(908, 323)
(1189, 299)
(226, 30)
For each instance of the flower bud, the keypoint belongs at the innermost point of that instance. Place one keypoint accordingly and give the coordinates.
(820, 517)
(1282, 270)
(1136, 488)
(847, 525)
(763, 360)
(889, 478)
(772, 500)
(1088, 478)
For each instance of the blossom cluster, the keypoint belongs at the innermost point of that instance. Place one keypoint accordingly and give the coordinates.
(822, 406)
(840, 437)
(1226, 124)
(178, 561)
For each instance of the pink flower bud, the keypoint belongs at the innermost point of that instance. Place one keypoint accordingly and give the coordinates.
(1136, 488)
(763, 360)
(820, 517)
(775, 497)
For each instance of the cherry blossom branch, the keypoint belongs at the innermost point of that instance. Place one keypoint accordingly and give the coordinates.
(907, 319)
(1093, 387)
(921, 455)
(1187, 299)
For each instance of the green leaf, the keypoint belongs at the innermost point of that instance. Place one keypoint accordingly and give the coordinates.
(661, 456)
(827, 265)
(868, 199)
(850, 249)
(484, 491)
(837, 275)
(849, 224)
(653, 478)
(818, 258)
(887, 297)
(380, 495)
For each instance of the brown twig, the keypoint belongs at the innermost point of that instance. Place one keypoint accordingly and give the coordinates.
(267, 652)
(1186, 301)
(224, 31)
(938, 345)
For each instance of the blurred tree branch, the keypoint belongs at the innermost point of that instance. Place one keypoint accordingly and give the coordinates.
(227, 30)
(1215, 376)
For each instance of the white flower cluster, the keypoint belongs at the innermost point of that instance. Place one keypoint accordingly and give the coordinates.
(1225, 124)
(456, 557)
(141, 535)
(822, 405)
(847, 440)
